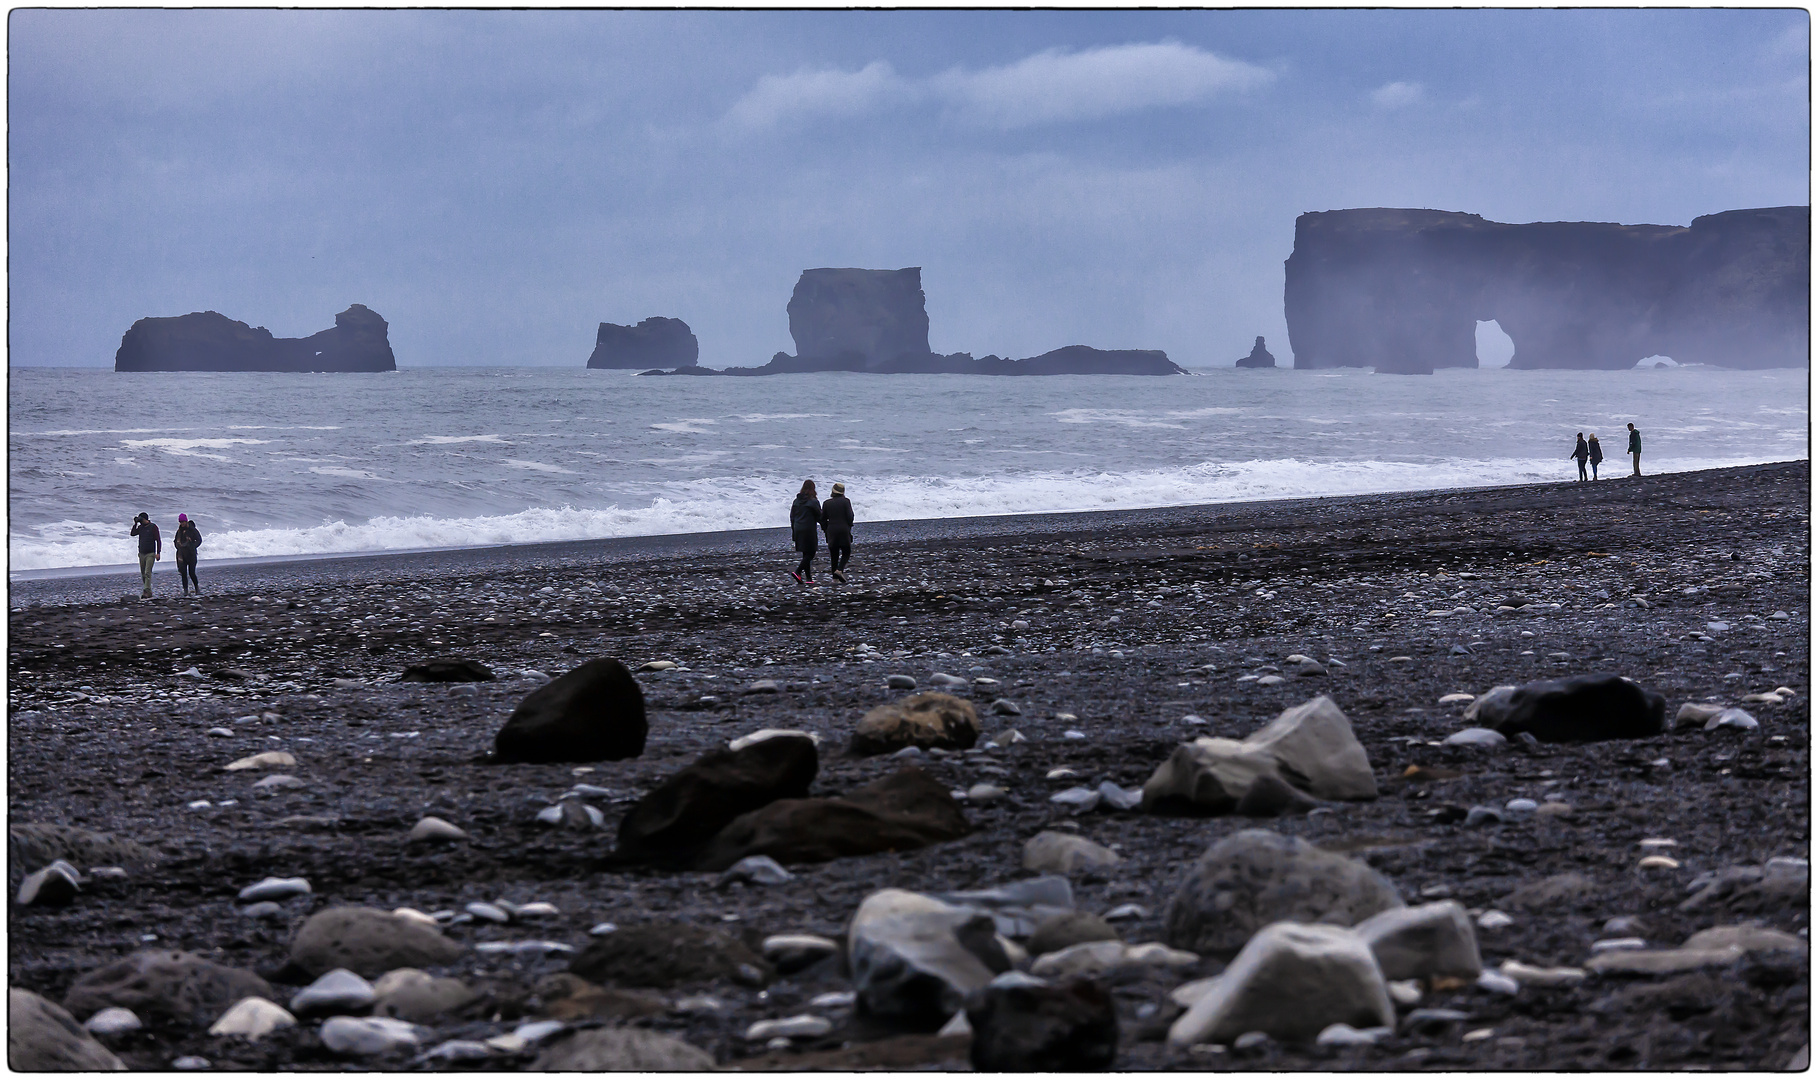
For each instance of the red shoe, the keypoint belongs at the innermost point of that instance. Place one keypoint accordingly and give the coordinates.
(797, 577)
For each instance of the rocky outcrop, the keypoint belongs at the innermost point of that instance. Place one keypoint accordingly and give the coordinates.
(210, 341)
(1403, 290)
(655, 342)
(1259, 357)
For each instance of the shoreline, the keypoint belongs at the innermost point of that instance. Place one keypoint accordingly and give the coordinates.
(61, 581)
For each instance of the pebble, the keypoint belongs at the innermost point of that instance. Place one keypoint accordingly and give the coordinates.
(1494, 920)
(523, 948)
(535, 909)
(1126, 911)
(459, 1050)
(1405, 991)
(1072, 733)
(339, 991)
(1617, 944)
(537, 1030)
(220, 733)
(1497, 983)
(108, 872)
(913, 753)
(1061, 773)
(1451, 699)
(434, 828)
(1521, 806)
(273, 888)
(367, 1036)
(900, 682)
(264, 909)
(489, 912)
(415, 916)
(1008, 737)
(1079, 800)
(1006, 707)
(1732, 718)
(602, 929)
(1251, 1040)
(651, 665)
(1623, 925)
(507, 1043)
(1476, 736)
(1266, 680)
(984, 793)
(253, 1018)
(270, 759)
(698, 1003)
(594, 791)
(1346, 1035)
(278, 782)
(804, 1026)
(757, 869)
(949, 682)
(1120, 798)
(1483, 815)
(1539, 976)
(113, 1020)
(1655, 843)
(834, 999)
(1659, 862)
(190, 1062)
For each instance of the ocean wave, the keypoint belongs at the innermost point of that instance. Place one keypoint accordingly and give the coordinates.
(715, 504)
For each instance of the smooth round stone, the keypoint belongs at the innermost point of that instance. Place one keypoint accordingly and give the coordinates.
(1521, 806)
(1494, 920)
(1659, 862)
(434, 828)
(279, 782)
(1072, 733)
(1006, 707)
(252, 1018)
(264, 909)
(1126, 911)
(459, 1050)
(367, 1036)
(537, 1030)
(1498, 983)
(1621, 944)
(912, 753)
(113, 1020)
(834, 999)
(536, 909)
(191, 1063)
(338, 991)
(1077, 799)
(984, 793)
(899, 682)
(415, 916)
(1476, 736)
(1345, 1035)
(1623, 926)
(220, 733)
(804, 1026)
(273, 888)
(1482, 815)
(1061, 773)
(602, 929)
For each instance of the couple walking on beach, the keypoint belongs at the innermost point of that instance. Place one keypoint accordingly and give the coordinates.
(151, 549)
(1593, 452)
(835, 517)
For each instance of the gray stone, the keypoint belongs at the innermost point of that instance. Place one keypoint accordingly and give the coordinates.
(1120, 798)
(1732, 718)
(1482, 815)
(339, 991)
(1419, 942)
(1745, 938)
(1310, 747)
(757, 869)
(53, 886)
(491, 913)
(803, 1026)
(417, 996)
(252, 1018)
(1064, 929)
(622, 1049)
(368, 942)
(790, 953)
(113, 1020)
(165, 984)
(900, 682)
(1256, 877)
(273, 888)
(1476, 736)
(459, 1050)
(1346, 1035)
(264, 910)
(435, 829)
(1696, 714)
(1078, 800)
(42, 1037)
(1064, 853)
(1006, 707)
(1093, 958)
(194, 1062)
(914, 958)
(368, 1036)
(1290, 981)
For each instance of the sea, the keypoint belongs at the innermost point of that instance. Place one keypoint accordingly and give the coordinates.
(427, 458)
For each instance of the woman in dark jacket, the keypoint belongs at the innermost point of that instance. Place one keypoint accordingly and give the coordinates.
(188, 539)
(1581, 451)
(836, 519)
(804, 522)
(1596, 455)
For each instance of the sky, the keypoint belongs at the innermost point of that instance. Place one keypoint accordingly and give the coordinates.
(496, 184)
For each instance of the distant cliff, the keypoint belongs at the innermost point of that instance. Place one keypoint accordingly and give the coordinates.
(655, 342)
(1259, 357)
(1403, 290)
(210, 341)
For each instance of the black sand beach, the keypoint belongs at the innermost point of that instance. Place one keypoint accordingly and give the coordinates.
(1696, 585)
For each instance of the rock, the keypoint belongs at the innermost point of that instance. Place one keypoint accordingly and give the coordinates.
(1746, 939)
(1732, 718)
(417, 996)
(682, 814)
(1307, 667)
(252, 1018)
(1126, 911)
(164, 984)
(210, 341)
(42, 1037)
(656, 342)
(1476, 736)
(1102, 957)
(1270, 680)
(35, 845)
(1078, 800)
(662, 955)
(622, 1049)
(763, 686)
(367, 1036)
(1479, 816)
(492, 913)
(803, 1026)
(1660, 961)
(277, 782)
(570, 999)
(270, 759)
(925, 720)
(53, 886)
(1529, 975)
(1006, 707)
(273, 888)
(593, 713)
(1582, 708)
(1521, 806)
(1433, 1023)
(1068, 928)
(1495, 700)
(1119, 798)
(459, 1050)
(448, 670)
(1494, 920)
(114, 1020)
(790, 953)
(1346, 1035)
(1256, 877)
(1271, 796)
(368, 942)
(1025, 1025)
(1404, 992)
(1017, 908)
(915, 959)
(757, 869)
(1259, 357)
(901, 812)
(761, 734)
(1498, 983)
(191, 1063)
(339, 991)
(1420, 942)
(984, 794)
(1064, 853)
(1290, 981)
(1696, 714)
(1552, 893)
(899, 682)
(1310, 746)
(269, 910)
(435, 829)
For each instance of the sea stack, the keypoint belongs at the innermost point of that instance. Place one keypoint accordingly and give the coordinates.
(1259, 356)
(655, 342)
(210, 341)
(1403, 290)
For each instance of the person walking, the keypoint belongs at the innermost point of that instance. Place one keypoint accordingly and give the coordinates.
(1635, 447)
(804, 516)
(1581, 451)
(1596, 449)
(187, 540)
(836, 520)
(151, 549)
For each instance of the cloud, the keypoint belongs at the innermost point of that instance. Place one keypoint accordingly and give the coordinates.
(1398, 95)
(1056, 86)
(812, 93)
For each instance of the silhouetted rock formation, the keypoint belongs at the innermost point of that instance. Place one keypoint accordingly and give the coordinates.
(655, 342)
(876, 321)
(1259, 356)
(210, 341)
(1403, 290)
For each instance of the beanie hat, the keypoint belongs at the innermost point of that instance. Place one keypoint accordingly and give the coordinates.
(839, 489)
(182, 517)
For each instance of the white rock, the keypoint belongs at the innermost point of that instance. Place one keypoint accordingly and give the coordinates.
(1494, 920)
(1419, 942)
(1346, 1035)
(1498, 983)
(278, 782)
(1476, 736)
(1126, 911)
(957, 1024)
(762, 734)
(757, 869)
(1529, 975)
(1617, 944)
(905, 959)
(602, 929)
(270, 759)
(537, 1030)
(220, 733)
(833, 999)
(252, 1018)
(191, 1063)
(459, 1050)
(1061, 773)
(1291, 981)
(1120, 798)
(1455, 699)
(51, 886)
(804, 1026)
(434, 828)
(1079, 800)
(490, 912)
(273, 888)
(1061, 853)
(1270, 680)
(1405, 992)
(415, 916)
(113, 1020)
(536, 909)
(984, 793)
(798, 950)
(1732, 718)
(339, 991)
(368, 1036)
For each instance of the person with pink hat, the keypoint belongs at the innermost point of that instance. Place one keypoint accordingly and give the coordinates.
(187, 540)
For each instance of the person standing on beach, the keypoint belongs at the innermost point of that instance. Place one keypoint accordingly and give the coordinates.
(151, 549)
(1581, 451)
(1635, 447)
(836, 519)
(187, 540)
(1596, 454)
(804, 517)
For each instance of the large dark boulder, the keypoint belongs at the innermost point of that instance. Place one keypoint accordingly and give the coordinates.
(867, 316)
(165, 984)
(686, 810)
(655, 342)
(1020, 1024)
(1403, 290)
(593, 713)
(447, 669)
(1582, 708)
(1259, 357)
(901, 812)
(210, 341)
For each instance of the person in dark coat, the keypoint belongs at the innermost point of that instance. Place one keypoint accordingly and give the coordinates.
(1596, 455)
(187, 540)
(836, 519)
(1635, 447)
(1581, 451)
(151, 549)
(804, 519)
